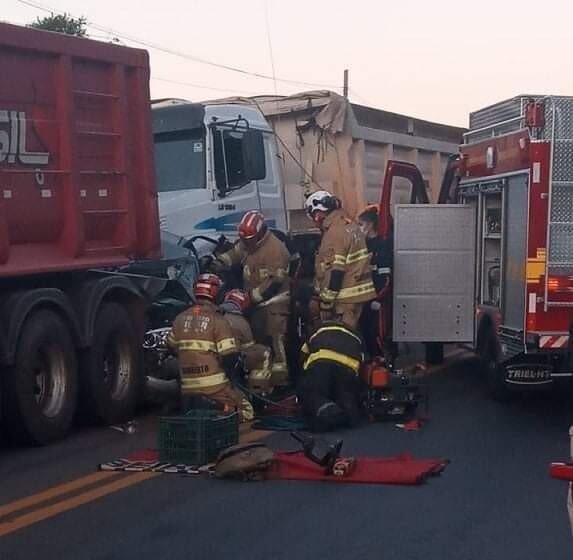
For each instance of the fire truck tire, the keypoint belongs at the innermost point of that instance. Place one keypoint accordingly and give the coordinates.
(110, 381)
(434, 353)
(41, 389)
(495, 371)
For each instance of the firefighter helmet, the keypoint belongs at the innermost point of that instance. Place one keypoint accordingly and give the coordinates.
(320, 201)
(252, 225)
(371, 209)
(239, 299)
(207, 286)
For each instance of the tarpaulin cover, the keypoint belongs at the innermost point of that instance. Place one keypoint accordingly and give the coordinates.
(402, 469)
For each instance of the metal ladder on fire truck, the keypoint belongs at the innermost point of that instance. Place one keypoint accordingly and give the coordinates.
(559, 262)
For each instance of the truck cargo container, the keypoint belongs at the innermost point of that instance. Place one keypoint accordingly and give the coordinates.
(328, 142)
(77, 200)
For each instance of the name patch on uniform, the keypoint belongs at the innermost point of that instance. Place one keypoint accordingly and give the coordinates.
(195, 370)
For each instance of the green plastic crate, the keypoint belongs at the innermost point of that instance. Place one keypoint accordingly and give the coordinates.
(198, 437)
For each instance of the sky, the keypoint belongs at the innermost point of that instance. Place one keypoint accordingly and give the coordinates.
(437, 60)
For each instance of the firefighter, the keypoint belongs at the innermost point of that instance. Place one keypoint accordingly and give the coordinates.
(376, 323)
(256, 358)
(265, 262)
(380, 249)
(343, 280)
(331, 391)
(207, 350)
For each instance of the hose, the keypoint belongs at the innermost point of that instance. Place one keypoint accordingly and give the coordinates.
(280, 423)
(260, 398)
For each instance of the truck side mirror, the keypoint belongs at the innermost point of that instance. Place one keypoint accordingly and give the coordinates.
(253, 148)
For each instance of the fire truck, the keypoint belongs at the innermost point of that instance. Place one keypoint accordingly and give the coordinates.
(492, 263)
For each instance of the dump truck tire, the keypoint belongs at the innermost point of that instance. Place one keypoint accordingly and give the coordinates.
(111, 381)
(41, 389)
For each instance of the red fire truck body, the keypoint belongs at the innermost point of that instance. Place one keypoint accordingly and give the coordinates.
(515, 171)
(535, 242)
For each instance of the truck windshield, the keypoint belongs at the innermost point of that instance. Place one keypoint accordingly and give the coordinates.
(180, 160)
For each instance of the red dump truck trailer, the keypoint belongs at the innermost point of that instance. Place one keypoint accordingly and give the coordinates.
(77, 200)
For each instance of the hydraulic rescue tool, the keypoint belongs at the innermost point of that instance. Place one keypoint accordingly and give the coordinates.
(319, 451)
(326, 454)
(392, 394)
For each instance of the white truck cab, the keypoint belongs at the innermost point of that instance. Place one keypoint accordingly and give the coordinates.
(214, 162)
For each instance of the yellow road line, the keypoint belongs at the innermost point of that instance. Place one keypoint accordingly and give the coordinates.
(53, 492)
(124, 480)
(71, 503)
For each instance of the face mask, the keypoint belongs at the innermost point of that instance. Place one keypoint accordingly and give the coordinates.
(368, 230)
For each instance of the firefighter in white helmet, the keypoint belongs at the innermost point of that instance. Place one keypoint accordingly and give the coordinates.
(265, 262)
(343, 278)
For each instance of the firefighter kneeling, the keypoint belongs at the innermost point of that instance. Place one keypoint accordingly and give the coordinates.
(207, 351)
(331, 391)
(256, 358)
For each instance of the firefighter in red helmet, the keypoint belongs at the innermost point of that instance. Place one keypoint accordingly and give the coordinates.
(265, 261)
(207, 350)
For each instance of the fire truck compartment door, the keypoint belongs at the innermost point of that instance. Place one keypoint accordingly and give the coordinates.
(434, 273)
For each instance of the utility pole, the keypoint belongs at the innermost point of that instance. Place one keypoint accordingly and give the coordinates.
(345, 85)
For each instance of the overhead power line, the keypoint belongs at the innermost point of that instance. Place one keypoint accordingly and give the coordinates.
(178, 53)
(270, 44)
(361, 98)
(200, 86)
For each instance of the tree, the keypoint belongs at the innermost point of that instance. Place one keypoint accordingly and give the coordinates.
(62, 23)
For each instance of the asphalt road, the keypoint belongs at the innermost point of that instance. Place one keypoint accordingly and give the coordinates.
(494, 501)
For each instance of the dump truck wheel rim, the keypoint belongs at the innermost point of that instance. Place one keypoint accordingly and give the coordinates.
(117, 366)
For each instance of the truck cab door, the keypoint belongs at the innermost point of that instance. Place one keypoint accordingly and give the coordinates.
(404, 183)
(432, 294)
(247, 175)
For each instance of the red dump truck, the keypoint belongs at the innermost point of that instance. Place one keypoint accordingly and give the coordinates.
(77, 200)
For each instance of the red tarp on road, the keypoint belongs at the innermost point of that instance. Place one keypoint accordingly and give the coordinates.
(402, 469)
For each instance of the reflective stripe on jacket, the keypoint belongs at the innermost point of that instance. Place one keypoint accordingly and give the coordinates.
(265, 270)
(342, 264)
(334, 342)
(201, 337)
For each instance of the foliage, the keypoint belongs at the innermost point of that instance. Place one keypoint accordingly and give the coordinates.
(62, 23)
